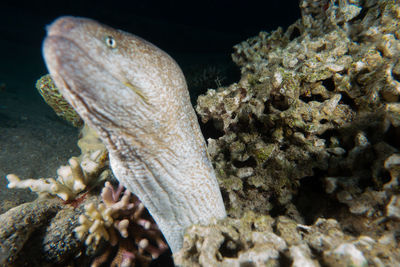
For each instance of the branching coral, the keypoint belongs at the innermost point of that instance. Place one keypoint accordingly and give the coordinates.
(98, 219)
(80, 173)
(72, 179)
(122, 220)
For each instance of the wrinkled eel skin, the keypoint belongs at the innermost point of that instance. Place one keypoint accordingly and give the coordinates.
(135, 96)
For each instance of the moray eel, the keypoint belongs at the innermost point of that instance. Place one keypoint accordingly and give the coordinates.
(135, 97)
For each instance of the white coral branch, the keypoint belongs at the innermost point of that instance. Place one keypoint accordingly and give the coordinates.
(44, 187)
(72, 179)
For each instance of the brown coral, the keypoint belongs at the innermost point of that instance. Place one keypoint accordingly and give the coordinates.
(311, 130)
(259, 240)
(319, 100)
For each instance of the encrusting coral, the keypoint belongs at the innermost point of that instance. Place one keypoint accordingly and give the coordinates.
(19, 224)
(260, 240)
(312, 99)
(311, 130)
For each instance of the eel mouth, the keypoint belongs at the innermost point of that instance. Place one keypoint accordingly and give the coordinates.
(75, 70)
(60, 39)
(68, 62)
(60, 45)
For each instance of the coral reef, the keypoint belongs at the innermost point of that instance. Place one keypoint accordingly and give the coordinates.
(311, 130)
(260, 240)
(309, 135)
(89, 232)
(56, 101)
(319, 100)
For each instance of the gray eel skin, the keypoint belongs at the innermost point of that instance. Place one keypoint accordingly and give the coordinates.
(135, 96)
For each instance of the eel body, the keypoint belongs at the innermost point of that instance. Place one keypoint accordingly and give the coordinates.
(135, 96)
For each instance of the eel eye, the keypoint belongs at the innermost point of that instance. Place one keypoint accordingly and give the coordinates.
(110, 42)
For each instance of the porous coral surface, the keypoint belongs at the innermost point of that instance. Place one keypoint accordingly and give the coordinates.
(260, 240)
(311, 129)
(56, 101)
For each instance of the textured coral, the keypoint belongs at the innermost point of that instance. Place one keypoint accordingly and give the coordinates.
(98, 219)
(311, 130)
(56, 101)
(122, 220)
(319, 100)
(257, 240)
